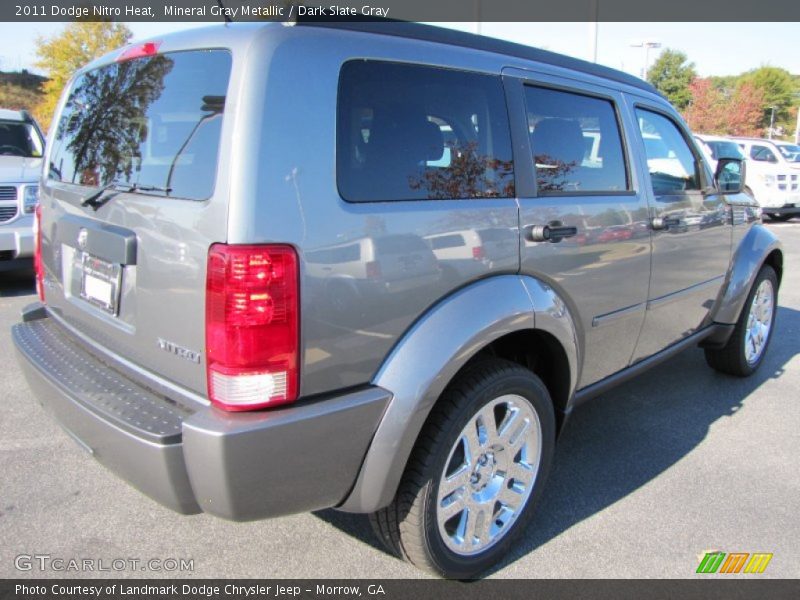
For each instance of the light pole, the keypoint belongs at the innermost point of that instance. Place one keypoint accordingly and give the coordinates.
(594, 10)
(771, 123)
(646, 44)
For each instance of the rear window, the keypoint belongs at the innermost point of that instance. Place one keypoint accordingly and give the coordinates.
(154, 122)
(411, 132)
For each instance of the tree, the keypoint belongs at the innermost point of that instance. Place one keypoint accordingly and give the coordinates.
(671, 75)
(777, 87)
(62, 54)
(705, 111)
(744, 111)
(723, 112)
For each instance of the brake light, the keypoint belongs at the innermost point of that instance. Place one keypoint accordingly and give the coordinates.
(373, 269)
(38, 265)
(139, 51)
(478, 253)
(252, 337)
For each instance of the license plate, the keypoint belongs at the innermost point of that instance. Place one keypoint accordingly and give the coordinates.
(100, 283)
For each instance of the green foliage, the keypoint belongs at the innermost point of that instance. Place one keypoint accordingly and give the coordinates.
(778, 88)
(62, 54)
(21, 91)
(671, 75)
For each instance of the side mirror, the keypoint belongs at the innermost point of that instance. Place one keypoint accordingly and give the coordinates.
(729, 175)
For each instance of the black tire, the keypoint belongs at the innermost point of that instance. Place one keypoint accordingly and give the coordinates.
(731, 358)
(780, 218)
(408, 526)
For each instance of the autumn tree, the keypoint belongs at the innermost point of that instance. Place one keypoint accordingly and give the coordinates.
(744, 111)
(705, 112)
(722, 112)
(671, 75)
(63, 53)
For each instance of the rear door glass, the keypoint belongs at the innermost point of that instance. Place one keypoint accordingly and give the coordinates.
(153, 121)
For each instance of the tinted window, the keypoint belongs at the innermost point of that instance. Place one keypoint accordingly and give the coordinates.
(672, 165)
(575, 141)
(762, 153)
(724, 150)
(152, 121)
(400, 244)
(332, 256)
(408, 132)
(447, 241)
(19, 139)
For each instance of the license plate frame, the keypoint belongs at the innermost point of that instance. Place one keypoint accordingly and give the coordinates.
(100, 283)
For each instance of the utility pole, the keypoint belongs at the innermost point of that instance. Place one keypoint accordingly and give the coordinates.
(646, 44)
(771, 123)
(594, 10)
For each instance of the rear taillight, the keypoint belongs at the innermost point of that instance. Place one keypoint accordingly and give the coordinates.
(478, 253)
(38, 265)
(373, 269)
(252, 337)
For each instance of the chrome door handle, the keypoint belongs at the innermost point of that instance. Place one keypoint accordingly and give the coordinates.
(552, 232)
(659, 223)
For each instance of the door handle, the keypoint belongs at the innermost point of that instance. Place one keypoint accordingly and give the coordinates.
(660, 223)
(554, 232)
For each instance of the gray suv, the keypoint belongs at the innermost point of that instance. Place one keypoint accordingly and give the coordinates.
(249, 308)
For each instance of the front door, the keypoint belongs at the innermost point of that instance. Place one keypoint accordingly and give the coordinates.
(691, 232)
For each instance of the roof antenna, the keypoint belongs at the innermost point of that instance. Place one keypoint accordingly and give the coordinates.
(224, 11)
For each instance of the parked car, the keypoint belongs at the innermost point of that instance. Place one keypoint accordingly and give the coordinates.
(715, 147)
(469, 253)
(791, 152)
(370, 270)
(21, 147)
(773, 178)
(222, 390)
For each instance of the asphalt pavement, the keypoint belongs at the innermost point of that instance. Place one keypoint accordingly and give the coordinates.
(648, 477)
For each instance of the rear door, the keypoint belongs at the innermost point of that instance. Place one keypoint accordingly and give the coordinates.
(126, 269)
(577, 182)
(691, 231)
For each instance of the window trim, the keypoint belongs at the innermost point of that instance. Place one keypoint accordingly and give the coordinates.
(578, 91)
(706, 186)
(450, 69)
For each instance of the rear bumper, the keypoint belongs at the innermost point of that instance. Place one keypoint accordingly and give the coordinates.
(239, 466)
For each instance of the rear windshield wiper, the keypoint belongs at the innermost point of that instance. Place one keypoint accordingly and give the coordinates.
(93, 200)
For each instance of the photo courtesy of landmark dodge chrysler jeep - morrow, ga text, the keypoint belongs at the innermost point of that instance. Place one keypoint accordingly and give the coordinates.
(263, 294)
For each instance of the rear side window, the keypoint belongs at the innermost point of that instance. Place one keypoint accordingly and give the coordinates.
(576, 142)
(410, 132)
(154, 122)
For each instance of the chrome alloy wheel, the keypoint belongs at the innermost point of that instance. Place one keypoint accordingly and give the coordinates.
(759, 322)
(489, 475)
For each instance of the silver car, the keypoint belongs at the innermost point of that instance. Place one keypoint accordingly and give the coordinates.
(383, 286)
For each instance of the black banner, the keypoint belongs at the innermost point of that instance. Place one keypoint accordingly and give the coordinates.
(728, 588)
(405, 10)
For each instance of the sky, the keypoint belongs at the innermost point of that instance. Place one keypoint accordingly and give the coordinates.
(715, 48)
